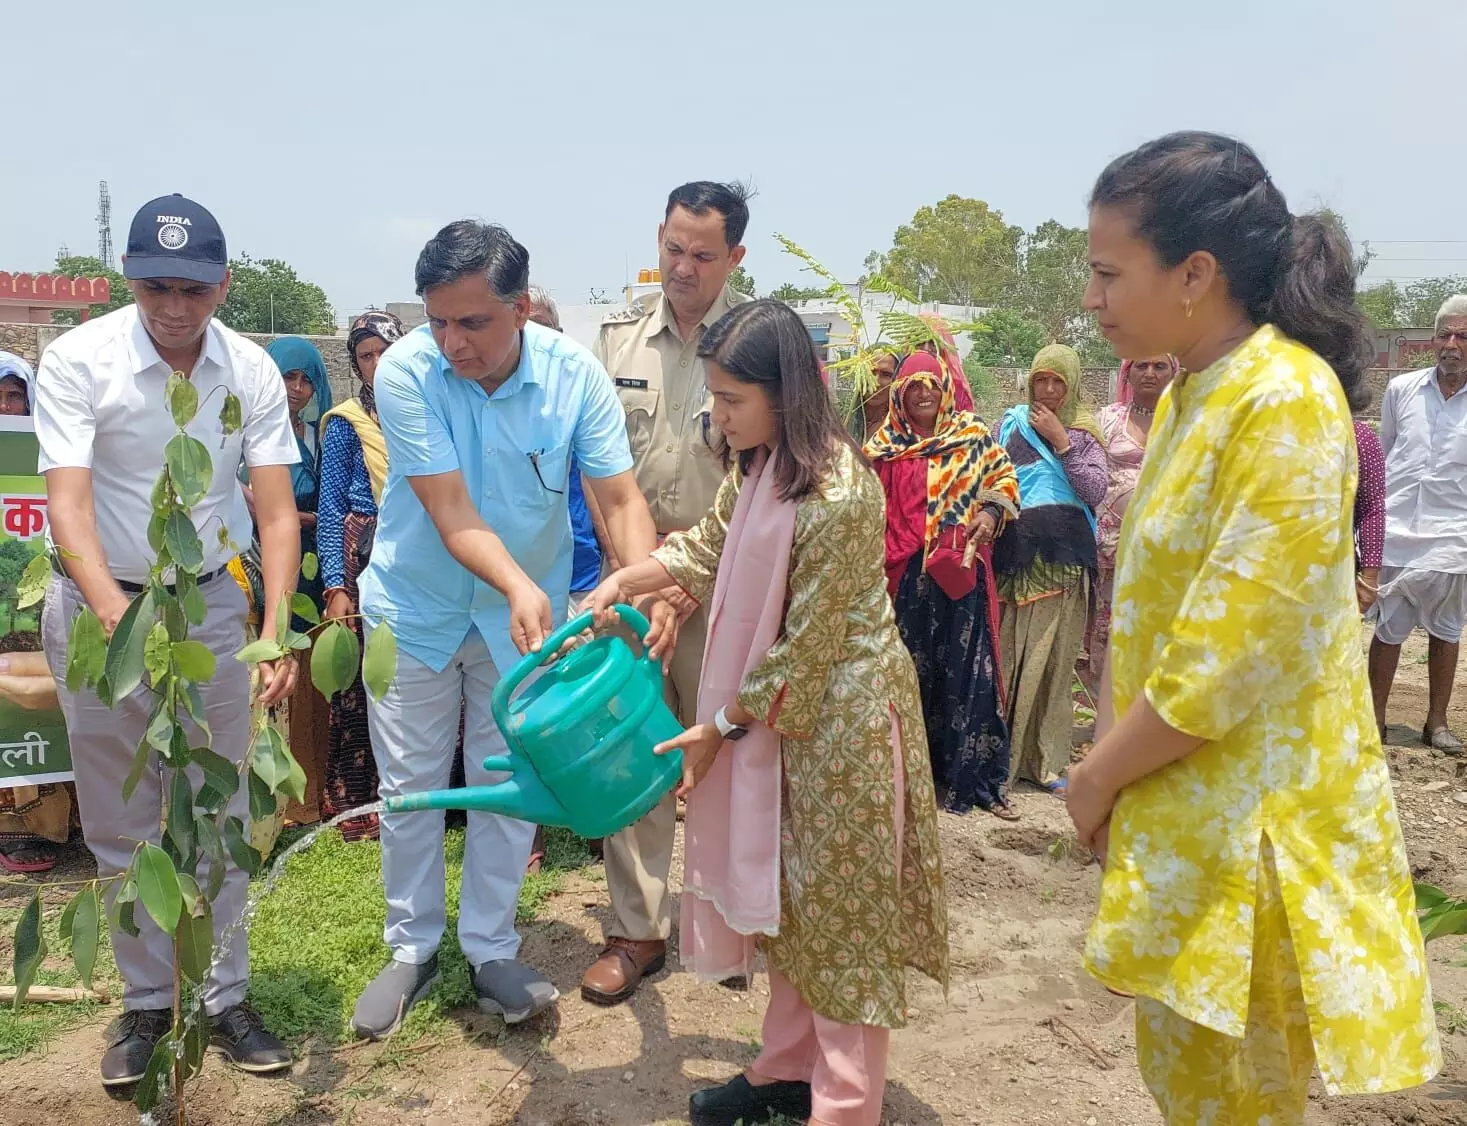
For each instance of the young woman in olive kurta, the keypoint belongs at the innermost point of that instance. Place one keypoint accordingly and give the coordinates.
(817, 835)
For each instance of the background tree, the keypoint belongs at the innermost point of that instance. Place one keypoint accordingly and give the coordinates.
(742, 282)
(792, 292)
(1421, 299)
(959, 251)
(1011, 341)
(267, 296)
(1381, 304)
(80, 265)
(1049, 283)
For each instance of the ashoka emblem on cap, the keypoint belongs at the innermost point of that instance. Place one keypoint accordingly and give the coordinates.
(171, 236)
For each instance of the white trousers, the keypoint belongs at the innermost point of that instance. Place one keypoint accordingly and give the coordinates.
(103, 742)
(414, 730)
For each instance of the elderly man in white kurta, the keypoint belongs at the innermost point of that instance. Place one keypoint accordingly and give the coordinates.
(1423, 578)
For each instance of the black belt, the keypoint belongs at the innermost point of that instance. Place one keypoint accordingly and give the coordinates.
(138, 588)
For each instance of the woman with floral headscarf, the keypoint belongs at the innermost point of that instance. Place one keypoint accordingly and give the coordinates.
(941, 469)
(1124, 425)
(1046, 561)
(353, 475)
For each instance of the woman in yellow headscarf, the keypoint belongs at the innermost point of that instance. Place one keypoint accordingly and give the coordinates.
(1046, 562)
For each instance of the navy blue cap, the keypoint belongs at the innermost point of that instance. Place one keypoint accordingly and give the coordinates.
(174, 237)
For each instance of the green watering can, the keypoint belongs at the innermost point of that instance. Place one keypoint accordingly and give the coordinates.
(580, 738)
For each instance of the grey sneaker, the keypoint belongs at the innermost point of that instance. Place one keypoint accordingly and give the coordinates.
(385, 1003)
(513, 990)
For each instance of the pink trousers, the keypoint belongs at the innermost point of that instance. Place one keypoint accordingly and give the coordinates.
(845, 1064)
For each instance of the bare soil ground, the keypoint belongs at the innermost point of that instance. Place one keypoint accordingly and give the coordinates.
(1023, 1036)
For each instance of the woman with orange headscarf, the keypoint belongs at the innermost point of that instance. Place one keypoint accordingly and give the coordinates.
(944, 475)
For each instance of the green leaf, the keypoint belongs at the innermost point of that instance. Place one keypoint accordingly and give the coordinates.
(212, 846)
(282, 617)
(268, 760)
(265, 649)
(155, 653)
(310, 566)
(379, 665)
(239, 849)
(182, 541)
(68, 917)
(334, 660)
(195, 945)
(84, 936)
(160, 495)
(86, 651)
(221, 537)
(174, 620)
(193, 660)
(303, 607)
(183, 399)
(230, 414)
(294, 787)
(181, 818)
(219, 772)
(30, 948)
(139, 764)
(125, 902)
(124, 664)
(193, 703)
(33, 581)
(195, 608)
(262, 800)
(188, 887)
(158, 887)
(297, 641)
(190, 467)
(157, 523)
(155, 1076)
(195, 1040)
(1442, 923)
(1428, 897)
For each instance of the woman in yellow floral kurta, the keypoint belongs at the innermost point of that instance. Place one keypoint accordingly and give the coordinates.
(810, 739)
(1257, 898)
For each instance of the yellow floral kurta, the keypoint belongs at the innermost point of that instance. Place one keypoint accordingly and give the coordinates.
(848, 928)
(1235, 614)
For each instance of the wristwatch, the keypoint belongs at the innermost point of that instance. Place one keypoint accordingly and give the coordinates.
(730, 731)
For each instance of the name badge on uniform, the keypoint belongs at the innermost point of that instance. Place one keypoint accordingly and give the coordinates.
(632, 384)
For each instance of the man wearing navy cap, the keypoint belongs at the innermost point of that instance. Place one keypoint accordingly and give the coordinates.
(102, 422)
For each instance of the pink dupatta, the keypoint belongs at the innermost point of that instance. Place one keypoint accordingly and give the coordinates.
(731, 830)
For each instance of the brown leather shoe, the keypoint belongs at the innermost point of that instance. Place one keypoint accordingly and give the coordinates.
(623, 964)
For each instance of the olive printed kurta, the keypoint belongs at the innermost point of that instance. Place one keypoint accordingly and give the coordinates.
(850, 923)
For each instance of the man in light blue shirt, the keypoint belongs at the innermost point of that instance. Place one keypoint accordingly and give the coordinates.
(471, 564)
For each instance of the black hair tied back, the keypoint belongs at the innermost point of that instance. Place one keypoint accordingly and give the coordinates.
(1202, 191)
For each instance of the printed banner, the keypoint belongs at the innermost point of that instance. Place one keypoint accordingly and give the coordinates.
(33, 746)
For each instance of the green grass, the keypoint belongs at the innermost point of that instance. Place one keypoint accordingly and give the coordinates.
(315, 944)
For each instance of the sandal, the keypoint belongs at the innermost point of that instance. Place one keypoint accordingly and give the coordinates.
(28, 858)
(1440, 739)
(1059, 787)
(1004, 811)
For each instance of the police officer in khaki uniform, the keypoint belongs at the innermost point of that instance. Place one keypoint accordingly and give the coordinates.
(650, 350)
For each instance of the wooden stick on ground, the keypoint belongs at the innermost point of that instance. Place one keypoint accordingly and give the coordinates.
(55, 995)
(1055, 1024)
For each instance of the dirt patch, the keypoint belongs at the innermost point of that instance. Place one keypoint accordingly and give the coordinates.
(1022, 1038)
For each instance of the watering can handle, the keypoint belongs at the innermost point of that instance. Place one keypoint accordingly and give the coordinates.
(634, 620)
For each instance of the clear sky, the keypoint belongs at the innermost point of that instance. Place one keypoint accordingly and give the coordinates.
(339, 135)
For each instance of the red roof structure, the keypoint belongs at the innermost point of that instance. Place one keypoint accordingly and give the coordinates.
(31, 298)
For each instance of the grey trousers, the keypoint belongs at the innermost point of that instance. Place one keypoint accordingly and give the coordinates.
(103, 742)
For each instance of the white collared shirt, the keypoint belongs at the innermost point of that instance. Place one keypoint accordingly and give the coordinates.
(99, 405)
(1424, 436)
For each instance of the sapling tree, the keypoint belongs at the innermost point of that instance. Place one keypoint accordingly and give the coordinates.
(176, 881)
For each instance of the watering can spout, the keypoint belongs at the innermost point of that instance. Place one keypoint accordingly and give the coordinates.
(522, 796)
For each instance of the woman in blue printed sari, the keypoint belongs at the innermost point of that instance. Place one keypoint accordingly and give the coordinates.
(1045, 561)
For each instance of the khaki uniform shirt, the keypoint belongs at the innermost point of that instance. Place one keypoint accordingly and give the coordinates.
(662, 386)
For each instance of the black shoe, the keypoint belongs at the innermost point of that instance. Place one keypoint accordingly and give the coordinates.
(738, 1100)
(130, 1044)
(241, 1035)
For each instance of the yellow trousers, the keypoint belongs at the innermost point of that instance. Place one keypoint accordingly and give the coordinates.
(1200, 1077)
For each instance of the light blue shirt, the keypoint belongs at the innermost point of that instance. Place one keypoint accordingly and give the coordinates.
(514, 450)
